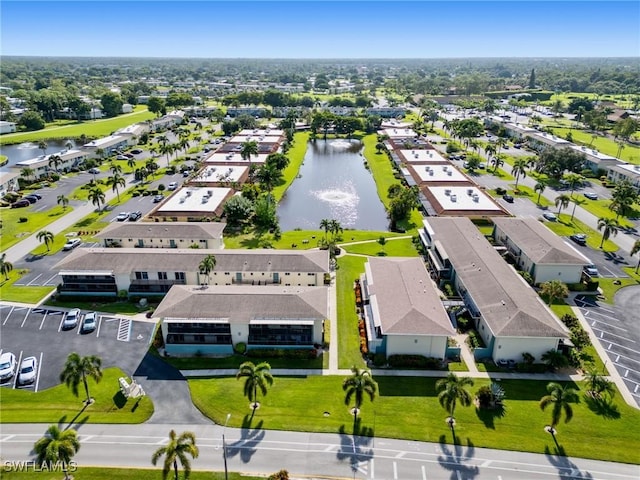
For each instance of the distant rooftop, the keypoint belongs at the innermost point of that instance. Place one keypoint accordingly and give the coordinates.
(195, 199)
(220, 173)
(234, 157)
(467, 198)
(439, 173)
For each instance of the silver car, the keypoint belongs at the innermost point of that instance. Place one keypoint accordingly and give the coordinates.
(28, 371)
(89, 322)
(71, 319)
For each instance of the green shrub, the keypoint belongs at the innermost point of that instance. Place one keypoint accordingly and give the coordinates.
(414, 361)
(379, 359)
(240, 348)
(297, 353)
(23, 220)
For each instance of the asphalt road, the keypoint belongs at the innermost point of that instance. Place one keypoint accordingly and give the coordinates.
(316, 455)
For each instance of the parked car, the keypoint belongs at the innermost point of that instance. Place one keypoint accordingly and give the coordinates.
(591, 270)
(20, 204)
(71, 319)
(136, 151)
(550, 216)
(591, 195)
(7, 366)
(507, 198)
(122, 157)
(30, 199)
(122, 216)
(172, 186)
(185, 173)
(89, 322)
(28, 371)
(157, 198)
(94, 170)
(71, 244)
(133, 216)
(579, 238)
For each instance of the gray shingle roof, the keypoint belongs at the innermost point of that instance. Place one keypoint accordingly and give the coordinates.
(125, 260)
(242, 304)
(407, 299)
(510, 307)
(187, 230)
(537, 242)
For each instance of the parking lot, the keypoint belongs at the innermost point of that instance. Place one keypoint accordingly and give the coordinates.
(38, 332)
(618, 331)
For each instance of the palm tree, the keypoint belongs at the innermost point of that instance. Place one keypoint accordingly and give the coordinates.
(451, 390)
(257, 377)
(540, 187)
(562, 201)
(490, 150)
(207, 265)
(576, 202)
(45, 236)
(609, 227)
(335, 228)
(500, 142)
(573, 179)
(42, 145)
(179, 448)
(554, 359)
(497, 162)
(325, 224)
(63, 200)
(635, 249)
(57, 446)
(5, 266)
(27, 172)
(55, 160)
(115, 168)
(356, 386)
(268, 175)
(96, 195)
(598, 384)
(115, 181)
(561, 398)
(78, 369)
(553, 289)
(248, 149)
(519, 168)
(131, 163)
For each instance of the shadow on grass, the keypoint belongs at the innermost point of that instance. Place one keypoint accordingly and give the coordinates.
(566, 468)
(488, 415)
(454, 458)
(603, 407)
(405, 386)
(63, 419)
(119, 400)
(246, 445)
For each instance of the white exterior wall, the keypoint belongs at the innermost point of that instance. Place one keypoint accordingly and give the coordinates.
(429, 346)
(239, 333)
(512, 348)
(564, 273)
(7, 127)
(123, 281)
(211, 243)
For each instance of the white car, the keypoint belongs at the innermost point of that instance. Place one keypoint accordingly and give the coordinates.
(71, 244)
(89, 322)
(71, 319)
(591, 195)
(122, 216)
(172, 186)
(7, 366)
(550, 216)
(122, 157)
(28, 371)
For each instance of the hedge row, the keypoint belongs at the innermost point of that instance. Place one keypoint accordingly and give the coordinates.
(297, 353)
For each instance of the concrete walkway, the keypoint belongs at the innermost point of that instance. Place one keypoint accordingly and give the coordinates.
(465, 352)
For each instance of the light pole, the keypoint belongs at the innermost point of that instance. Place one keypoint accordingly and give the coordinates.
(224, 448)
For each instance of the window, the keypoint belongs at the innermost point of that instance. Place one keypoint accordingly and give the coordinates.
(142, 276)
(180, 275)
(162, 275)
(310, 274)
(287, 274)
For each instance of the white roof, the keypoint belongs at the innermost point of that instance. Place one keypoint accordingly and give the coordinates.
(262, 132)
(105, 141)
(195, 199)
(439, 173)
(399, 133)
(463, 198)
(234, 157)
(589, 152)
(413, 156)
(254, 138)
(220, 173)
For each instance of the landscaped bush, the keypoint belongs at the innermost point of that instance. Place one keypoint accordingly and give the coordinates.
(414, 361)
(531, 368)
(297, 353)
(240, 348)
(23, 220)
(379, 360)
(474, 340)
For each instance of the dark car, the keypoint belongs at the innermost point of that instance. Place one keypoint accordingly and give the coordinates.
(21, 204)
(136, 151)
(36, 195)
(158, 198)
(133, 216)
(579, 238)
(507, 198)
(30, 199)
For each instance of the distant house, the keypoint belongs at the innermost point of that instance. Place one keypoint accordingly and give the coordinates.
(127, 108)
(211, 320)
(204, 235)
(41, 168)
(107, 145)
(625, 172)
(7, 127)
(538, 251)
(403, 311)
(8, 182)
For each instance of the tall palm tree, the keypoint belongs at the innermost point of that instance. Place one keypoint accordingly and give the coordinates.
(115, 181)
(268, 175)
(256, 377)
(453, 389)
(45, 236)
(490, 149)
(573, 180)
(554, 289)
(57, 446)
(26, 172)
(5, 266)
(55, 160)
(179, 449)
(635, 249)
(248, 149)
(562, 201)
(207, 265)
(131, 163)
(115, 168)
(561, 399)
(500, 142)
(63, 200)
(576, 201)
(497, 162)
(335, 228)
(356, 386)
(519, 168)
(325, 224)
(79, 369)
(97, 197)
(609, 227)
(42, 145)
(540, 187)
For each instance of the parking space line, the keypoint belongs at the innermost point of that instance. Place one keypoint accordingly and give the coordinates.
(25, 318)
(621, 346)
(47, 282)
(15, 378)
(618, 355)
(593, 324)
(79, 324)
(602, 332)
(124, 330)
(37, 277)
(43, 319)
(60, 326)
(35, 387)
(8, 315)
(99, 325)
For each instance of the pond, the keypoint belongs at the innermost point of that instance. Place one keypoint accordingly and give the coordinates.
(333, 183)
(28, 150)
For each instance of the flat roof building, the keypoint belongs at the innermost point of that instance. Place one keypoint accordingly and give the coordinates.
(192, 204)
(465, 201)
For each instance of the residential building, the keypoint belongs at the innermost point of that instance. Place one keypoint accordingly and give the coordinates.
(538, 251)
(7, 127)
(133, 132)
(211, 320)
(234, 158)
(203, 235)
(507, 313)
(192, 204)
(402, 309)
(626, 172)
(106, 145)
(220, 175)
(460, 200)
(594, 160)
(8, 182)
(387, 112)
(41, 168)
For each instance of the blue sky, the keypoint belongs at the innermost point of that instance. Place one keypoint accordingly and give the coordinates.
(321, 29)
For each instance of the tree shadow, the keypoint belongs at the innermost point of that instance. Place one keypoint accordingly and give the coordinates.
(245, 446)
(63, 419)
(119, 400)
(565, 467)
(454, 458)
(603, 407)
(488, 415)
(354, 448)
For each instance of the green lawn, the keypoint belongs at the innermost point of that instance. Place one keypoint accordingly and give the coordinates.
(407, 407)
(402, 247)
(21, 293)
(59, 405)
(96, 473)
(349, 268)
(527, 192)
(90, 128)
(234, 361)
(104, 305)
(565, 227)
(296, 156)
(600, 208)
(13, 231)
(610, 286)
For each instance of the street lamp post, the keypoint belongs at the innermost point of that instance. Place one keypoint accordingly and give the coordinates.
(224, 448)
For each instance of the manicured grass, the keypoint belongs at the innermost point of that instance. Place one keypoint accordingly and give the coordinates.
(600, 208)
(402, 247)
(527, 192)
(349, 268)
(21, 293)
(90, 128)
(565, 227)
(96, 473)
(116, 306)
(630, 153)
(609, 288)
(59, 405)
(13, 231)
(296, 156)
(234, 361)
(407, 407)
